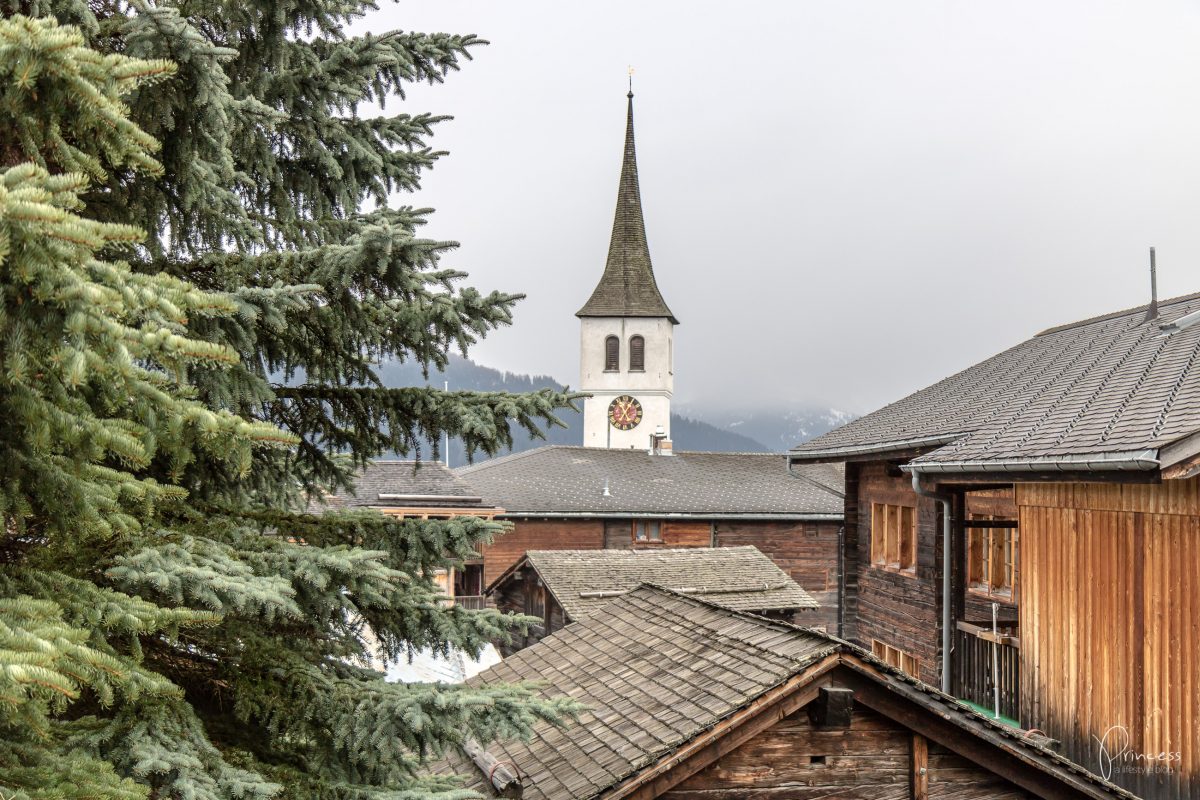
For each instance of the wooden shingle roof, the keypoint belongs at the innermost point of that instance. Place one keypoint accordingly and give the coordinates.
(1104, 393)
(742, 578)
(627, 288)
(656, 670)
(569, 481)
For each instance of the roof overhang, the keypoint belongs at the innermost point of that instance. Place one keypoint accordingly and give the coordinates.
(876, 448)
(1181, 458)
(1114, 461)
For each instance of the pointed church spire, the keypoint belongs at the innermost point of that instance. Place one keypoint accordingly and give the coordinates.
(628, 288)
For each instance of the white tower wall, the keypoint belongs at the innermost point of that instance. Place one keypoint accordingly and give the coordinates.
(652, 387)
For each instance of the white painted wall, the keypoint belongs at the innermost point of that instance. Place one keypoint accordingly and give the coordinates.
(652, 387)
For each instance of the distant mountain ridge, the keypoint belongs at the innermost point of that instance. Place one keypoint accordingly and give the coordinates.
(758, 432)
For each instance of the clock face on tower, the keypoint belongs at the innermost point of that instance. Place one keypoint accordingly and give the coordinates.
(624, 413)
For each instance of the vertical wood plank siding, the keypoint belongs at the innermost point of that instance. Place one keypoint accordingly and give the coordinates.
(1110, 625)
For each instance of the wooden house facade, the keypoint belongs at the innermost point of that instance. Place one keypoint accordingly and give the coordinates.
(688, 700)
(587, 498)
(1067, 470)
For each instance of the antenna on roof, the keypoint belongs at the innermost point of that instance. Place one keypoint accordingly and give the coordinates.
(1152, 311)
(631, 80)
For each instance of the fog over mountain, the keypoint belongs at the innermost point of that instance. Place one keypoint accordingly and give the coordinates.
(692, 427)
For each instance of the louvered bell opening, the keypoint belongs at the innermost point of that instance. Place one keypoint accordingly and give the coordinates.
(612, 354)
(637, 354)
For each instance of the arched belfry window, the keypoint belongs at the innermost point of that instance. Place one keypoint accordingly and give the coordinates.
(637, 354)
(612, 354)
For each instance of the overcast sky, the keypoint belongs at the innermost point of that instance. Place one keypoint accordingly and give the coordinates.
(845, 201)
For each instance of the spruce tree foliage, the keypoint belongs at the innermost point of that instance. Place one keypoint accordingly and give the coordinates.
(198, 269)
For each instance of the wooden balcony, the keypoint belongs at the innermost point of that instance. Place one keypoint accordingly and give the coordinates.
(473, 602)
(985, 661)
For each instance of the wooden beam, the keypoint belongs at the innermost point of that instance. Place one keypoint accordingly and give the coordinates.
(1188, 468)
(501, 774)
(990, 523)
(920, 767)
(727, 735)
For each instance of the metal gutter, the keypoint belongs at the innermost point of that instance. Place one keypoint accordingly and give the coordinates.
(947, 502)
(1094, 462)
(795, 455)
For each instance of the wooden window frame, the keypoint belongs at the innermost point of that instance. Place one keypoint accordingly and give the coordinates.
(894, 538)
(637, 353)
(647, 531)
(894, 656)
(992, 555)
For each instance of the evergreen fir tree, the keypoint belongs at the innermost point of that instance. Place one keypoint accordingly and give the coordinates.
(193, 293)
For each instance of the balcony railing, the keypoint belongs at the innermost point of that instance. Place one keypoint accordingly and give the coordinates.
(986, 661)
(472, 602)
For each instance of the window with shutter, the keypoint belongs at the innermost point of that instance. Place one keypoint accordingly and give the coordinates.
(612, 354)
(894, 537)
(637, 354)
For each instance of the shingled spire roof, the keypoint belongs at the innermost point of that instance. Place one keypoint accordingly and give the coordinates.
(627, 288)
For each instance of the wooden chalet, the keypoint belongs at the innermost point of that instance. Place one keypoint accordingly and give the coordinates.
(590, 498)
(565, 586)
(421, 490)
(689, 700)
(1057, 485)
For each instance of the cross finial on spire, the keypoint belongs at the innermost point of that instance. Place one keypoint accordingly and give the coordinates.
(630, 80)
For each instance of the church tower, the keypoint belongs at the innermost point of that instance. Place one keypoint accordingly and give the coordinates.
(626, 333)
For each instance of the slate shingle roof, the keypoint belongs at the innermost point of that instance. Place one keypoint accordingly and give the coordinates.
(656, 669)
(570, 480)
(740, 578)
(427, 480)
(1115, 386)
(628, 288)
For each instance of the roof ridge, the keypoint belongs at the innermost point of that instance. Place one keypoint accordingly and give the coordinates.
(1118, 314)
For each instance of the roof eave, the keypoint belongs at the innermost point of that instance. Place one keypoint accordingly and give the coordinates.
(1114, 461)
(584, 313)
(801, 456)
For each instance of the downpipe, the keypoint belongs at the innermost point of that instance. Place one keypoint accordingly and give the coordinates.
(947, 504)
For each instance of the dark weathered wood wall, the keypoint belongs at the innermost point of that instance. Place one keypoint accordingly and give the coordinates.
(1110, 627)
(807, 551)
(873, 759)
(902, 609)
(539, 534)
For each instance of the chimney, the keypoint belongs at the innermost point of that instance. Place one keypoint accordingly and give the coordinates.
(1152, 311)
(660, 445)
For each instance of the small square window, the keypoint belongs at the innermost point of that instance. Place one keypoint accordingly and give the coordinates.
(647, 530)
